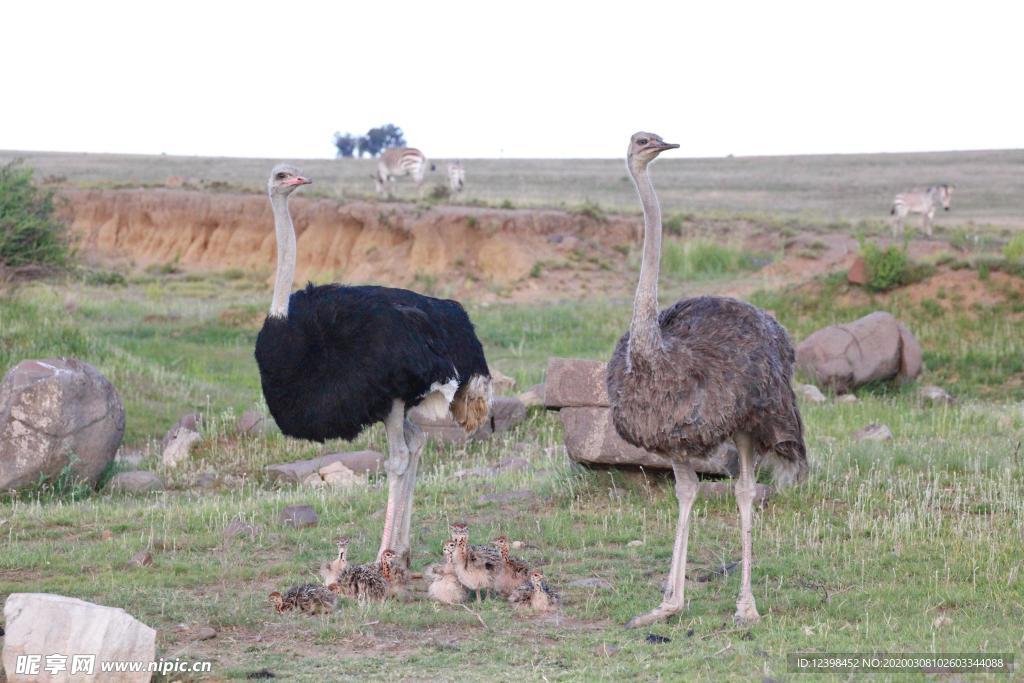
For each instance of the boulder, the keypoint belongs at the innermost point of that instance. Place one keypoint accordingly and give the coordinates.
(501, 383)
(53, 412)
(299, 516)
(590, 438)
(179, 444)
(337, 475)
(506, 412)
(138, 481)
(360, 462)
(875, 347)
(574, 383)
(40, 624)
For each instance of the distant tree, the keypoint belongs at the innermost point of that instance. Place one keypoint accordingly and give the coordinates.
(346, 144)
(30, 233)
(378, 139)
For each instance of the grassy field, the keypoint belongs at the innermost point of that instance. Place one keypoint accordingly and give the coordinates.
(907, 546)
(990, 187)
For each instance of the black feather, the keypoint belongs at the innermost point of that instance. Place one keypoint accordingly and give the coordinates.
(343, 354)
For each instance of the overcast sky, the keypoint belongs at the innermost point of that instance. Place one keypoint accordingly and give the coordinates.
(511, 79)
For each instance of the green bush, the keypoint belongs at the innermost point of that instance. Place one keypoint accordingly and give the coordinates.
(700, 258)
(30, 234)
(886, 268)
(1014, 249)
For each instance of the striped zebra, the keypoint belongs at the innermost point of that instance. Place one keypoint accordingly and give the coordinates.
(456, 176)
(922, 202)
(396, 162)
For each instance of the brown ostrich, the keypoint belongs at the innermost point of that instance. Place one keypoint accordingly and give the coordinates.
(702, 371)
(476, 565)
(331, 571)
(535, 595)
(511, 572)
(310, 598)
(445, 586)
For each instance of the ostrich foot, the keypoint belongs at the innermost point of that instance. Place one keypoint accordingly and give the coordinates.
(659, 613)
(746, 613)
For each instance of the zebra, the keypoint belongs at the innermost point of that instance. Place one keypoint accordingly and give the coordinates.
(456, 176)
(396, 162)
(922, 202)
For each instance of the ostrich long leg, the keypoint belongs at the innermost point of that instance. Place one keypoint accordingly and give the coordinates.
(673, 602)
(746, 609)
(415, 441)
(397, 467)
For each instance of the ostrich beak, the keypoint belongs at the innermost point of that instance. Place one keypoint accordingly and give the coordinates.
(298, 180)
(667, 145)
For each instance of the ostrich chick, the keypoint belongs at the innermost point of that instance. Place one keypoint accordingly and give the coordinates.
(372, 582)
(331, 571)
(394, 573)
(535, 595)
(511, 572)
(446, 587)
(476, 566)
(311, 598)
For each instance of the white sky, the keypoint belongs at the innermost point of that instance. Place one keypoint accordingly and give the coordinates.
(513, 79)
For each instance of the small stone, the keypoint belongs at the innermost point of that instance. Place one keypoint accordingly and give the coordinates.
(337, 475)
(635, 543)
(250, 423)
(207, 480)
(591, 582)
(847, 398)
(941, 620)
(205, 633)
(858, 273)
(517, 544)
(239, 527)
(299, 516)
(314, 481)
(137, 481)
(606, 650)
(141, 559)
(873, 432)
(189, 421)
(933, 395)
(809, 392)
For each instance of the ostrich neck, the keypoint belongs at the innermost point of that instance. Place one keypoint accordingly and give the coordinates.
(644, 333)
(285, 256)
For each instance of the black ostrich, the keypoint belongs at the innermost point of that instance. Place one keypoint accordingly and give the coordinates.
(335, 359)
(700, 372)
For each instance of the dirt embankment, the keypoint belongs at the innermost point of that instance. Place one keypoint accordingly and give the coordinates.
(452, 249)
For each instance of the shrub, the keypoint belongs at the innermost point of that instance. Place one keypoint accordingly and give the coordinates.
(886, 268)
(1014, 249)
(699, 258)
(29, 232)
(593, 211)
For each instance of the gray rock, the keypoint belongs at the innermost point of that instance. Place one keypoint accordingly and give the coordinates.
(339, 476)
(207, 480)
(360, 462)
(41, 624)
(299, 516)
(136, 481)
(574, 383)
(506, 413)
(873, 432)
(53, 409)
(204, 633)
(179, 445)
(875, 347)
(250, 423)
(590, 438)
(847, 398)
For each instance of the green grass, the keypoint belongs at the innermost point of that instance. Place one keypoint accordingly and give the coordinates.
(698, 259)
(880, 542)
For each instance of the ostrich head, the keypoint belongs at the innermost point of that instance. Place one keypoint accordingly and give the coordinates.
(644, 148)
(387, 561)
(537, 579)
(284, 179)
(334, 587)
(501, 543)
(277, 600)
(342, 544)
(460, 532)
(448, 549)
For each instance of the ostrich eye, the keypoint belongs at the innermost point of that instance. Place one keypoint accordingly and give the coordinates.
(282, 176)
(642, 141)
